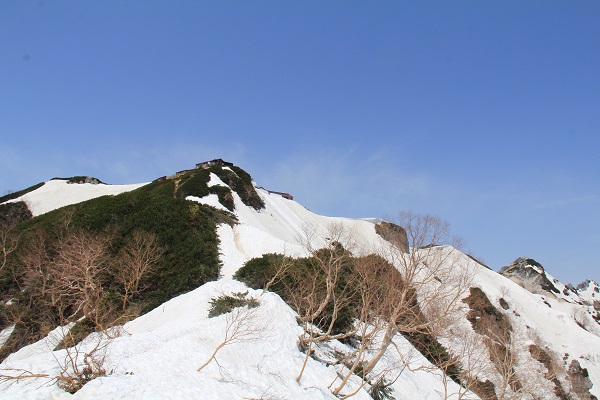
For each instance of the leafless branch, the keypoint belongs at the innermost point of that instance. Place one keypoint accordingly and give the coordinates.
(240, 326)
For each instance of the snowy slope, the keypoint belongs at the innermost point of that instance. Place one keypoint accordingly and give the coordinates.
(549, 320)
(58, 193)
(281, 227)
(158, 354)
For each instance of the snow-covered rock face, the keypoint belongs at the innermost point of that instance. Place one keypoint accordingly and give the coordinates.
(589, 292)
(530, 274)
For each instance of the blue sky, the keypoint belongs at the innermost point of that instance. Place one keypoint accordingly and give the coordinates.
(484, 113)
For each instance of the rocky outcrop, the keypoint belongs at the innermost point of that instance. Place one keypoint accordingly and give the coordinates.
(395, 234)
(85, 179)
(542, 356)
(530, 274)
(589, 291)
(587, 285)
(80, 179)
(580, 381)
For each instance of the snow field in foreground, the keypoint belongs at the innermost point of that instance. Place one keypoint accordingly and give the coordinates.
(158, 354)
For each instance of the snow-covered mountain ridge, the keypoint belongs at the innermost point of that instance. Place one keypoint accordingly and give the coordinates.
(553, 338)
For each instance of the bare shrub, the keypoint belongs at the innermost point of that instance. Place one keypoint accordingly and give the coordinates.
(36, 261)
(139, 255)
(83, 362)
(419, 297)
(516, 374)
(395, 289)
(240, 326)
(9, 240)
(77, 273)
(80, 364)
(321, 288)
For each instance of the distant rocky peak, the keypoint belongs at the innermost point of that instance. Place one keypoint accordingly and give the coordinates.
(532, 276)
(524, 265)
(589, 292)
(588, 285)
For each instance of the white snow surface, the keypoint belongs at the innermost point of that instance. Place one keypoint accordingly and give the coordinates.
(58, 193)
(215, 181)
(5, 334)
(563, 292)
(209, 200)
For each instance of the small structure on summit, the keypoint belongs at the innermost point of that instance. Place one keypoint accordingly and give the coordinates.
(182, 172)
(284, 195)
(216, 161)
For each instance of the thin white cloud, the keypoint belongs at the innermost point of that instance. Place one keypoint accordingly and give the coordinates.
(348, 182)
